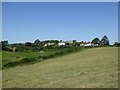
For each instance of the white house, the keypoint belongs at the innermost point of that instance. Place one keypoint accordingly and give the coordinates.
(91, 44)
(82, 44)
(88, 44)
(49, 44)
(94, 44)
(45, 45)
(61, 44)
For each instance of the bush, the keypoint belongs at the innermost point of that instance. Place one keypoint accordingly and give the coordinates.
(11, 64)
(26, 60)
(39, 57)
(57, 52)
(22, 61)
(69, 50)
(44, 57)
(51, 55)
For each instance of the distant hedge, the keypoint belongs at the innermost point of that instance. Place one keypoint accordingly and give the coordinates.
(41, 58)
(21, 62)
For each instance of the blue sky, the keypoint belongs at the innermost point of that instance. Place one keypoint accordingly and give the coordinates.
(81, 21)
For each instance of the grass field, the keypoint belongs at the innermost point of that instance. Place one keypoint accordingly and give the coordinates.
(0, 58)
(91, 68)
(16, 56)
(0, 70)
(11, 59)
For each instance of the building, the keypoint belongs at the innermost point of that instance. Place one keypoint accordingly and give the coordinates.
(61, 44)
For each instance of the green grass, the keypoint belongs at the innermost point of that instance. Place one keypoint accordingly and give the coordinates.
(16, 56)
(10, 59)
(0, 70)
(91, 68)
(0, 58)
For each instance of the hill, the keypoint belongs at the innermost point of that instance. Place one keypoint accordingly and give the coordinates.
(91, 68)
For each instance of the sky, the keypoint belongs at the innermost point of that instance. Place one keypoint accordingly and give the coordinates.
(81, 21)
(60, 0)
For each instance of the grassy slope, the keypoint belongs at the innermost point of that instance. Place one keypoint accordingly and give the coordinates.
(0, 58)
(16, 56)
(13, 56)
(0, 70)
(90, 68)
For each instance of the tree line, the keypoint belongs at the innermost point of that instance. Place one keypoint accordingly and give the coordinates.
(38, 45)
(103, 41)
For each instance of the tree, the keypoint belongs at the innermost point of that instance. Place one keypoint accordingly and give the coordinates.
(104, 41)
(74, 41)
(53, 41)
(0, 46)
(77, 43)
(56, 41)
(96, 41)
(38, 45)
(28, 44)
(4, 44)
(61, 40)
(37, 42)
(116, 44)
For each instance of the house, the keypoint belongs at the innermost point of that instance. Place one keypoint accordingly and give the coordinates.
(88, 44)
(49, 44)
(61, 44)
(82, 44)
(45, 45)
(94, 44)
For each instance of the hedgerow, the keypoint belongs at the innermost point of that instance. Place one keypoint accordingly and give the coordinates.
(59, 52)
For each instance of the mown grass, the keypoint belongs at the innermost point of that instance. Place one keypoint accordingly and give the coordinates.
(0, 59)
(0, 69)
(91, 68)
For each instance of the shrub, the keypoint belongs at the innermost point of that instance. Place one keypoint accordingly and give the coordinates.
(69, 50)
(11, 64)
(26, 60)
(22, 61)
(44, 57)
(57, 52)
(39, 57)
(51, 55)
